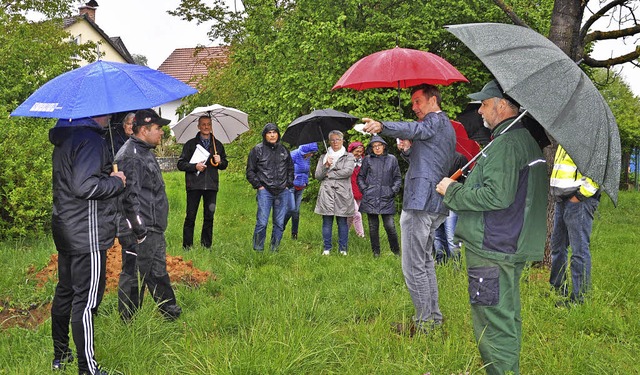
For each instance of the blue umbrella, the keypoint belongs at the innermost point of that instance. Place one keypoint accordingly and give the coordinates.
(102, 87)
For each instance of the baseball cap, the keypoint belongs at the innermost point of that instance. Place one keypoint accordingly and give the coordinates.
(490, 90)
(148, 117)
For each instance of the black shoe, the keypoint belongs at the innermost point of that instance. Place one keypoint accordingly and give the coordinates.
(294, 236)
(171, 312)
(99, 371)
(376, 255)
(59, 364)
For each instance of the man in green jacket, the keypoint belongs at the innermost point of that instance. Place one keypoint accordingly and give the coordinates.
(502, 221)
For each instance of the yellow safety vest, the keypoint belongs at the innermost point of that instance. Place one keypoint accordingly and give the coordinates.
(567, 181)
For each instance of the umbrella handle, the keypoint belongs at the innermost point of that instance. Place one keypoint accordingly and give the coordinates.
(456, 175)
(215, 152)
(115, 167)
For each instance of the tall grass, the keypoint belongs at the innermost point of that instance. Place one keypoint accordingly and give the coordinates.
(297, 312)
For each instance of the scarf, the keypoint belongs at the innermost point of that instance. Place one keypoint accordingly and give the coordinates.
(335, 155)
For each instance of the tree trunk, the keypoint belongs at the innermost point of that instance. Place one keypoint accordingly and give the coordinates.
(564, 33)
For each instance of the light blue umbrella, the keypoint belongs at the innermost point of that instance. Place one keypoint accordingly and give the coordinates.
(102, 87)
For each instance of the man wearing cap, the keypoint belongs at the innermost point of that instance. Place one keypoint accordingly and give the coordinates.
(429, 146)
(144, 220)
(502, 221)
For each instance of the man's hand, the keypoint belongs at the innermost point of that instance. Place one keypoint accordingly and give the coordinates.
(121, 176)
(371, 126)
(443, 185)
(216, 159)
(404, 144)
(201, 166)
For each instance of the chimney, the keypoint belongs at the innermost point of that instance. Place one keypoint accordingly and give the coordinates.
(89, 9)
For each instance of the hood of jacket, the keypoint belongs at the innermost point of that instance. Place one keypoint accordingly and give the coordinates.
(64, 129)
(377, 138)
(267, 128)
(308, 147)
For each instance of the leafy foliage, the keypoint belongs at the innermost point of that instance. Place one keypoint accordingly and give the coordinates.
(31, 53)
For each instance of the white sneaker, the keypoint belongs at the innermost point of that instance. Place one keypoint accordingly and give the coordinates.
(326, 252)
(343, 252)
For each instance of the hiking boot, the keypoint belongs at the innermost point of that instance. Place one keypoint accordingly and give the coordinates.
(326, 252)
(59, 364)
(171, 312)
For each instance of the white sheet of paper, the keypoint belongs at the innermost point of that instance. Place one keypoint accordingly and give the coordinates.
(199, 155)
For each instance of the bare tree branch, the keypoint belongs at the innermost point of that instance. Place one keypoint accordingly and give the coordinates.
(599, 14)
(510, 13)
(629, 57)
(614, 34)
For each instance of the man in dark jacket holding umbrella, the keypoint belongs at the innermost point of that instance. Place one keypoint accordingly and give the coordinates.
(201, 179)
(84, 227)
(270, 172)
(144, 220)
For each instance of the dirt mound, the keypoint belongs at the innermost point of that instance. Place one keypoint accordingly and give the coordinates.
(180, 271)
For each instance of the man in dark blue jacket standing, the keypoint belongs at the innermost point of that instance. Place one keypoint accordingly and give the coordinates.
(84, 227)
(270, 172)
(201, 180)
(144, 220)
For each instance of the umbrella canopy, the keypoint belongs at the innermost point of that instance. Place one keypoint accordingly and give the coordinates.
(556, 92)
(399, 68)
(315, 126)
(102, 87)
(227, 123)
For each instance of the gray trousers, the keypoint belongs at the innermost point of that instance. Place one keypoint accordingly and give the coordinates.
(417, 229)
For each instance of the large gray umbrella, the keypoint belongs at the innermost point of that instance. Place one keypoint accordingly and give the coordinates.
(555, 91)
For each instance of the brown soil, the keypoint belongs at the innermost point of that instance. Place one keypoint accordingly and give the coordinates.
(180, 271)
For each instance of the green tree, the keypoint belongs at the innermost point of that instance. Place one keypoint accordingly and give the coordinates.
(31, 53)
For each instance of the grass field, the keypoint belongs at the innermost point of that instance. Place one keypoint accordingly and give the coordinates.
(297, 312)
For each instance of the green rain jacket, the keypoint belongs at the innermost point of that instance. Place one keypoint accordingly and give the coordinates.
(502, 206)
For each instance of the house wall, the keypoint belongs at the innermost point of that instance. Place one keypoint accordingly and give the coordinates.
(82, 32)
(168, 111)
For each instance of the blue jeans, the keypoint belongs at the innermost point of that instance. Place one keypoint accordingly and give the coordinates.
(444, 244)
(572, 225)
(294, 212)
(343, 232)
(266, 202)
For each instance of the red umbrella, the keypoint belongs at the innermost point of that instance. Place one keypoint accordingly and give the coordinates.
(467, 147)
(399, 68)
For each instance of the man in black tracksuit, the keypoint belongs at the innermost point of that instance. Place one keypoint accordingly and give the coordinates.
(201, 180)
(145, 210)
(84, 227)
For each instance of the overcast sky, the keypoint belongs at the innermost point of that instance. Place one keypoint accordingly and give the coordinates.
(147, 29)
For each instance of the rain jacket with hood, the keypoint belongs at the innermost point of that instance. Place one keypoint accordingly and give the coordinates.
(145, 205)
(207, 180)
(379, 180)
(270, 164)
(84, 204)
(302, 165)
(501, 207)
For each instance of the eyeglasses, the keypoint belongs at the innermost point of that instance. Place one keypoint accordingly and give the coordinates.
(335, 140)
(377, 146)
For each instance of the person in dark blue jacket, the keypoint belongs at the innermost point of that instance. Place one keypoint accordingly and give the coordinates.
(301, 165)
(84, 227)
(270, 172)
(379, 181)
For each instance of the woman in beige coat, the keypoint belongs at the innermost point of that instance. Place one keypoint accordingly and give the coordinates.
(335, 197)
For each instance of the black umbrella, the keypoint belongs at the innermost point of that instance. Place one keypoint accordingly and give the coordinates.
(315, 126)
(552, 88)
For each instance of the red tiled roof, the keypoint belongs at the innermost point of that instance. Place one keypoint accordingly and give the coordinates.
(188, 64)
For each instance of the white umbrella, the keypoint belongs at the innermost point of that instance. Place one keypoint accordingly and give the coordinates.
(228, 123)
